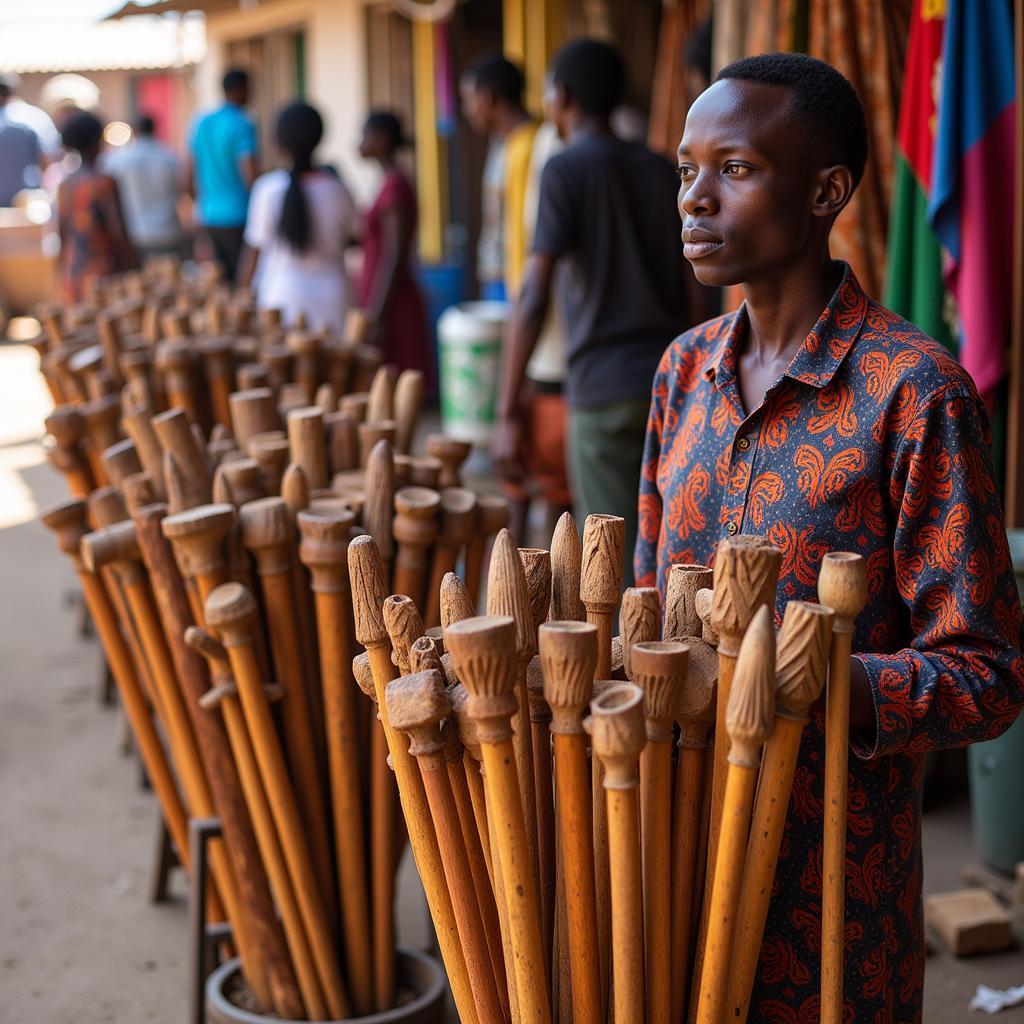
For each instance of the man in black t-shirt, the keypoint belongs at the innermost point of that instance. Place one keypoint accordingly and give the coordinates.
(607, 209)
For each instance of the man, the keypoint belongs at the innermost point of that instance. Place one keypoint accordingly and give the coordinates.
(149, 180)
(602, 215)
(21, 155)
(223, 170)
(822, 421)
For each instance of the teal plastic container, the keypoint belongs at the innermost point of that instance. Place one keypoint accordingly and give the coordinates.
(996, 770)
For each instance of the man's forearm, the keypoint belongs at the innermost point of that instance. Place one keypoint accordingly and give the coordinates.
(521, 340)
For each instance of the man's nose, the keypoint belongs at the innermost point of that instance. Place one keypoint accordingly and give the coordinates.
(698, 197)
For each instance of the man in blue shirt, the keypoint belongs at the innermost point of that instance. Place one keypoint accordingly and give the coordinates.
(223, 169)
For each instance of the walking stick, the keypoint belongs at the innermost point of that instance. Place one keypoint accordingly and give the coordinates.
(380, 503)
(456, 603)
(415, 528)
(366, 574)
(218, 366)
(842, 585)
(566, 568)
(507, 594)
(568, 653)
(681, 618)
(307, 441)
(408, 404)
(452, 453)
(370, 433)
(138, 426)
(272, 454)
(748, 721)
(174, 431)
(617, 734)
(486, 658)
(66, 426)
(253, 411)
(224, 694)
(800, 665)
(342, 441)
(491, 516)
(230, 610)
(324, 550)
(268, 533)
(380, 399)
(659, 669)
(457, 515)
(417, 705)
(640, 619)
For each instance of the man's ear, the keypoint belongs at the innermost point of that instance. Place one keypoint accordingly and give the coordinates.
(833, 189)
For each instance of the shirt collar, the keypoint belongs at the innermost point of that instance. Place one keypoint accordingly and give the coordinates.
(823, 349)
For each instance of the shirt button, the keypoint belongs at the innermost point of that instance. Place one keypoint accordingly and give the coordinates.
(732, 529)
(743, 443)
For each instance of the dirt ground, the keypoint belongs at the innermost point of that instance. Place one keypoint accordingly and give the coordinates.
(80, 941)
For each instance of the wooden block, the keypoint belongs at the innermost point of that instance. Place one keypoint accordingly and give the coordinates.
(969, 921)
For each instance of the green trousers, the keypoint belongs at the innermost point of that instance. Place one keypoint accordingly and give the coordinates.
(606, 445)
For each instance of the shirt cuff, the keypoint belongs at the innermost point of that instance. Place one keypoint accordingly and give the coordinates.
(893, 722)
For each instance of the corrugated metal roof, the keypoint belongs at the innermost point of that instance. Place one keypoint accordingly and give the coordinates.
(135, 44)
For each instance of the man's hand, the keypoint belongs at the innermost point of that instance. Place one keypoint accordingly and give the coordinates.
(506, 449)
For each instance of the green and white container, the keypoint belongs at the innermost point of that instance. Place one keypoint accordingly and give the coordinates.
(469, 353)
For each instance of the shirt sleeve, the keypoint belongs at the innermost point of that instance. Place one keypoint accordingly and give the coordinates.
(645, 554)
(557, 227)
(962, 679)
(259, 222)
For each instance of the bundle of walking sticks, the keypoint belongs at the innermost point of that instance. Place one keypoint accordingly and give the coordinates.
(211, 545)
(573, 873)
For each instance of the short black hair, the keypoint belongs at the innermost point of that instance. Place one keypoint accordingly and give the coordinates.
(592, 73)
(388, 124)
(826, 102)
(497, 75)
(235, 79)
(82, 133)
(146, 125)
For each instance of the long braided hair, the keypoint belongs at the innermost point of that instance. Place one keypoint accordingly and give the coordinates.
(299, 131)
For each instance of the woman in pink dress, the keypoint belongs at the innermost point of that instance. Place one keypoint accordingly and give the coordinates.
(387, 287)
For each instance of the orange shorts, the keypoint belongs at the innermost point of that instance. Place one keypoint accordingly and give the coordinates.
(543, 452)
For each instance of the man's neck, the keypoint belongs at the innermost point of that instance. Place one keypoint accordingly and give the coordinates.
(508, 119)
(583, 126)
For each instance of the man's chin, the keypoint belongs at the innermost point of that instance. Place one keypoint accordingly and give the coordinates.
(712, 276)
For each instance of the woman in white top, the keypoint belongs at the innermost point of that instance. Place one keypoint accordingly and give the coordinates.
(299, 224)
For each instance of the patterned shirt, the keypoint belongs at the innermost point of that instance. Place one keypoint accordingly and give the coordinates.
(874, 441)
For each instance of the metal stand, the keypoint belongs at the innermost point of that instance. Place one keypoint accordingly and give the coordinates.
(205, 937)
(166, 858)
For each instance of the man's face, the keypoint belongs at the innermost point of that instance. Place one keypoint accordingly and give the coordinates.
(477, 106)
(746, 187)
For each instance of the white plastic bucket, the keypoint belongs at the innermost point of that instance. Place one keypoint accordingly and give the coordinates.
(469, 353)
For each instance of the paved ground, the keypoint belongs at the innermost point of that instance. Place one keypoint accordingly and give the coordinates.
(79, 942)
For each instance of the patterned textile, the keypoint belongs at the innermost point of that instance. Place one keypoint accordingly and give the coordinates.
(86, 202)
(873, 441)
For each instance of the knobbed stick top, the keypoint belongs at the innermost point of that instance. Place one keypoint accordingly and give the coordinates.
(380, 496)
(268, 532)
(354, 403)
(456, 604)
(106, 506)
(601, 574)
(539, 710)
(66, 425)
(307, 442)
(659, 669)
(751, 707)
(641, 621)
(702, 606)
(843, 587)
(323, 548)
(417, 705)
(801, 659)
(139, 427)
(484, 652)
(695, 701)
(113, 545)
(452, 453)
(174, 431)
(746, 575)
(405, 626)
(362, 673)
(566, 564)
(271, 452)
(491, 514)
(121, 460)
(568, 656)
(198, 536)
(507, 593)
(424, 656)
(231, 611)
(380, 399)
(138, 491)
(253, 411)
(68, 519)
(425, 471)
(407, 407)
(295, 489)
(369, 591)
(415, 521)
(681, 618)
(456, 516)
(372, 431)
(618, 734)
(537, 567)
(243, 478)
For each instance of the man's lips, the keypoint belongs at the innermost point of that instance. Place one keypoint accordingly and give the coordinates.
(698, 243)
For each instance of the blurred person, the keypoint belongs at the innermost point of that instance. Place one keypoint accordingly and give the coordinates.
(603, 214)
(93, 238)
(492, 102)
(223, 170)
(22, 112)
(21, 156)
(148, 175)
(299, 224)
(387, 286)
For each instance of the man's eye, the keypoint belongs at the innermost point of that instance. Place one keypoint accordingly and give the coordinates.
(686, 171)
(734, 170)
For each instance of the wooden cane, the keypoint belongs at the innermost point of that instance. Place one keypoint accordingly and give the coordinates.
(659, 668)
(354, 403)
(568, 653)
(380, 399)
(842, 585)
(224, 695)
(187, 476)
(408, 404)
(491, 516)
(174, 360)
(217, 354)
(681, 619)
(253, 411)
(456, 519)
(230, 610)
(272, 454)
(372, 431)
(305, 349)
(244, 479)
(269, 534)
(138, 426)
(640, 618)
(307, 440)
(748, 721)
(324, 551)
(416, 705)
(121, 460)
(379, 509)
(342, 441)
(414, 528)
(456, 603)
(566, 568)
(366, 575)
(67, 426)
(618, 737)
(452, 453)
(508, 594)
(800, 664)
(486, 658)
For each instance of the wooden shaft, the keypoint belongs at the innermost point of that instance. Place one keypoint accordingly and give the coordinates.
(475, 785)
(415, 529)
(308, 444)
(506, 935)
(655, 816)
(229, 610)
(383, 843)
(217, 359)
(544, 811)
